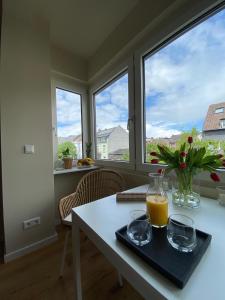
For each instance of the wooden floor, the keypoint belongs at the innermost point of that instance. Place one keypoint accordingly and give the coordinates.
(36, 276)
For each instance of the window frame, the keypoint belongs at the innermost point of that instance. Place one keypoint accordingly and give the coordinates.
(155, 44)
(222, 123)
(73, 86)
(100, 84)
(219, 112)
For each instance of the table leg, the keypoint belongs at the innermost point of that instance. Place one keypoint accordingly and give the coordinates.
(76, 261)
(120, 279)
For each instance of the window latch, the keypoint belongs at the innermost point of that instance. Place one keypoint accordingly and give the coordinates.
(130, 122)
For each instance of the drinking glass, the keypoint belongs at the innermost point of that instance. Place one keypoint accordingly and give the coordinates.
(156, 201)
(181, 233)
(221, 195)
(139, 230)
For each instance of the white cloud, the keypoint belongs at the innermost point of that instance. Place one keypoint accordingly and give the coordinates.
(159, 131)
(188, 75)
(68, 107)
(65, 131)
(112, 105)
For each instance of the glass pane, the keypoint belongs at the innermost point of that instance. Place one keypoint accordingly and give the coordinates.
(185, 90)
(111, 105)
(69, 128)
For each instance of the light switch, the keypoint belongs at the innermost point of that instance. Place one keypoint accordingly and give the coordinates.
(28, 149)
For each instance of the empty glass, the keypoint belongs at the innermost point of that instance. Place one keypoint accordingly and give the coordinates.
(181, 233)
(139, 229)
(221, 195)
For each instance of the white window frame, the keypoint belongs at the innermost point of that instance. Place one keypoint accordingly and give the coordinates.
(177, 28)
(219, 110)
(126, 66)
(70, 85)
(222, 123)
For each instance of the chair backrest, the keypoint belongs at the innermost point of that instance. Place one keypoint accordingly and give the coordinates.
(94, 185)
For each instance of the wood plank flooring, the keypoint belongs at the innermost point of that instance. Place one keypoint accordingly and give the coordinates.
(36, 276)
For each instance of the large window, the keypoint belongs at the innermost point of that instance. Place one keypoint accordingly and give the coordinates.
(184, 90)
(69, 125)
(111, 117)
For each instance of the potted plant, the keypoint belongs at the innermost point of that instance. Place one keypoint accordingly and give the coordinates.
(87, 161)
(67, 158)
(186, 162)
(88, 149)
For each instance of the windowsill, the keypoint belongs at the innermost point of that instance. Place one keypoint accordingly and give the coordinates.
(115, 163)
(148, 166)
(74, 170)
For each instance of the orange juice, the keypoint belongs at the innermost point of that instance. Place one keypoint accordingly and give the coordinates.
(157, 209)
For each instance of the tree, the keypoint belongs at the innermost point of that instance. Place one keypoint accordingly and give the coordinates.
(212, 146)
(184, 136)
(62, 147)
(126, 156)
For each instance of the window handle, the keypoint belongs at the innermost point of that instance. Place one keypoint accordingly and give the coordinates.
(55, 131)
(130, 122)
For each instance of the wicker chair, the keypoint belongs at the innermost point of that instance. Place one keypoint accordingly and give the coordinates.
(93, 186)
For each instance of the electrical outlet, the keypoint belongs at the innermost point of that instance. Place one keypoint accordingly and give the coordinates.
(31, 223)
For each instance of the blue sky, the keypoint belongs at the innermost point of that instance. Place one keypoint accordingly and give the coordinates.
(181, 81)
(184, 78)
(68, 107)
(112, 105)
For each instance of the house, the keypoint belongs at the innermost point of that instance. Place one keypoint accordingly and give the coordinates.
(77, 141)
(119, 154)
(214, 124)
(168, 141)
(110, 140)
(81, 47)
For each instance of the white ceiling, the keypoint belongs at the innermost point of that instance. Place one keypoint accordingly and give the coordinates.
(79, 26)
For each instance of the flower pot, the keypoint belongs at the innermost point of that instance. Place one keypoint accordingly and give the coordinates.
(183, 194)
(68, 162)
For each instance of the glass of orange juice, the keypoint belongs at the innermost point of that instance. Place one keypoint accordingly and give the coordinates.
(157, 201)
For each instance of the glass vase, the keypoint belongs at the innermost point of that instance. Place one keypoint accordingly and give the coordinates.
(183, 194)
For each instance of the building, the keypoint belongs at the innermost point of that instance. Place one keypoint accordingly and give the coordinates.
(111, 140)
(168, 141)
(214, 124)
(77, 141)
(120, 154)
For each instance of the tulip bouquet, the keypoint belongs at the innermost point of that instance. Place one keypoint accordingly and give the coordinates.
(187, 162)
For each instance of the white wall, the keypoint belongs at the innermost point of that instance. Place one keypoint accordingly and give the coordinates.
(68, 64)
(144, 13)
(28, 183)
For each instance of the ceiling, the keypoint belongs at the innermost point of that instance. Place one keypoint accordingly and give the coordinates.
(78, 26)
(81, 26)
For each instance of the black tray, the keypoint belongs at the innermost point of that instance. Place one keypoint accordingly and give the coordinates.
(176, 266)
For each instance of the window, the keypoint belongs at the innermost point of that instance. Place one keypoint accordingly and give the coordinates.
(219, 110)
(111, 117)
(69, 126)
(183, 86)
(222, 123)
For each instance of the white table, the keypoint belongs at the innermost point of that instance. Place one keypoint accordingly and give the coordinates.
(100, 219)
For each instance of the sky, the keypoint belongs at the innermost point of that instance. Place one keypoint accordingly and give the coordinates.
(112, 104)
(184, 78)
(68, 111)
(181, 81)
